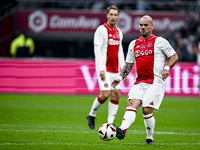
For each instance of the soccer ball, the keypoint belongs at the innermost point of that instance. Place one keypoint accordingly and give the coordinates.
(107, 131)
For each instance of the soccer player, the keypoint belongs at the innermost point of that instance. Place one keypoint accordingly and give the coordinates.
(148, 53)
(109, 59)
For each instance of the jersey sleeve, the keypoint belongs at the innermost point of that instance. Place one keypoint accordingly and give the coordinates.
(98, 36)
(130, 58)
(121, 52)
(166, 47)
(98, 44)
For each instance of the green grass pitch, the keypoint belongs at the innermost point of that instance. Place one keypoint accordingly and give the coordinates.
(35, 122)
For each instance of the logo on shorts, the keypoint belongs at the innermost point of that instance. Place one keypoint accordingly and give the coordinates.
(151, 103)
(106, 85)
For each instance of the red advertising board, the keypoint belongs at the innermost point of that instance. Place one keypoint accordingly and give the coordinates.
(79, 77)
(87, 22)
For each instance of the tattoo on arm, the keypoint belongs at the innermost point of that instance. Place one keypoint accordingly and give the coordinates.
(126, 70)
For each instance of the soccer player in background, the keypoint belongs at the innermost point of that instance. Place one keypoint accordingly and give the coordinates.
(109, 59)
(148, 53)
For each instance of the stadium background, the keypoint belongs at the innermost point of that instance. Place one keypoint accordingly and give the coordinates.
(63, 61)
(44, 99)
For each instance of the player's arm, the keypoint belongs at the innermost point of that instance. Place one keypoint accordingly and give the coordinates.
(121, 60)
(168, 50)
(120, 52)
(124, 73)
(171, 54)
(130, 60)
(126, 70)
(172, 61)
(99, 62)
(98, 44)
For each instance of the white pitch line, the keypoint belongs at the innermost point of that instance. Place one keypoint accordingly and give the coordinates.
(55, 129)
(78, 131)
(23, 126)
(161, 132)
(167, 144)
(44, 131)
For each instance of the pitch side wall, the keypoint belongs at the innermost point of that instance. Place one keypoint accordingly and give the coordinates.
(45, 76)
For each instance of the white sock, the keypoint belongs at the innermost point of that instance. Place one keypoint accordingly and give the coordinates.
(129, 118)
(113, 106)
(95, 106)
(149, 122)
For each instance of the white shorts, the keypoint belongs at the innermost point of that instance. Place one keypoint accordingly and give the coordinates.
(151, 95)
(106, 84)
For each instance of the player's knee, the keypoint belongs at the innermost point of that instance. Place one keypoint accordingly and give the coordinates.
(129, 103)
(105, 95)
(115, 94)
(147, 110)
(134, 103)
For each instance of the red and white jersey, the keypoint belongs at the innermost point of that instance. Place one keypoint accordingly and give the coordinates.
(149, 57)
(108, 49)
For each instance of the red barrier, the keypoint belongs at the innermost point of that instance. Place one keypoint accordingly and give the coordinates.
(79, 77)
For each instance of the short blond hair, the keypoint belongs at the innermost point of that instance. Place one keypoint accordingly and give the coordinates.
(112, 7)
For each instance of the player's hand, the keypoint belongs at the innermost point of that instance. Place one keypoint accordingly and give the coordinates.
(102, 75)
(165, 74)
(125, 80)
(116, 82)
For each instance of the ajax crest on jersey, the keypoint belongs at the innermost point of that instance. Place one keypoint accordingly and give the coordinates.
(107, 131)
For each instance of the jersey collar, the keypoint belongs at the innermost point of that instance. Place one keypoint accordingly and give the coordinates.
(146, 39)
(109, 27)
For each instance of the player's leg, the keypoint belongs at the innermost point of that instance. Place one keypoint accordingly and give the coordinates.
(134, 102)
(151, 101)
(113, 105)
(129, 117)
(149, 122)
(98, 102)
(105, 87)
(103, 96)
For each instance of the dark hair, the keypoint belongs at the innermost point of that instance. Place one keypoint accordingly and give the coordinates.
(112, 7)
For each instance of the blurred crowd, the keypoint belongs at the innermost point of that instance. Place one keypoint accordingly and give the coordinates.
(167, 5)
(186, 41)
